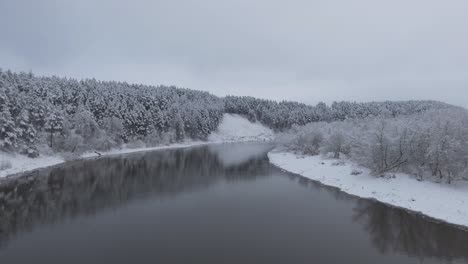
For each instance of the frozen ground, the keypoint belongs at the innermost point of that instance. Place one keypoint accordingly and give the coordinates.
(444, 202)
(19, 163)
(233, 128)
(237, 128)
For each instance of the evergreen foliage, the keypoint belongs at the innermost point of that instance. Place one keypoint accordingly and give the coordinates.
(63, 115)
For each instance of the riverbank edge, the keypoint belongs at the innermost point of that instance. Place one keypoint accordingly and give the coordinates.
(27, 165)
(441, 203)
(232, 129)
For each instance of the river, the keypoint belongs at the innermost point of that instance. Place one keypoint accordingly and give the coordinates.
(211, 204)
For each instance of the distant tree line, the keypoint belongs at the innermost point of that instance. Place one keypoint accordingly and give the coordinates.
(283, 115)
(68, 116)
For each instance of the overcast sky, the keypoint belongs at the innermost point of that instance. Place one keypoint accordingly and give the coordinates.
(306, 50)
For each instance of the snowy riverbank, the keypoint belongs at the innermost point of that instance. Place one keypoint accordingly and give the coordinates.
(21, 164)
(233, 128)
(448, 203)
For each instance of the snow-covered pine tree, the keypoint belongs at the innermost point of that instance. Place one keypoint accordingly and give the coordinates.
(54, 126)
(8, 131)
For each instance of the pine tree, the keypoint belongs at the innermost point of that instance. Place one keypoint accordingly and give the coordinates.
(8, 131)
(26, 134)
(179, 127)
(53, 125)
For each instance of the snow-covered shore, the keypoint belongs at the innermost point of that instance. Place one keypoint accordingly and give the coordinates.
(448, 203)
(21, 164)
(233, 128)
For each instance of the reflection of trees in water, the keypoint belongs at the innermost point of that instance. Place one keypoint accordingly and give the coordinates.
(87, 187)
(396, 230)
(320, 187)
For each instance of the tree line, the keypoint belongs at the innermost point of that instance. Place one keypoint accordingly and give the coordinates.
(283, 115)
(52, 114)
(68, 116)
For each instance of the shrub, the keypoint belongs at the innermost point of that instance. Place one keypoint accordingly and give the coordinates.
(432, 144)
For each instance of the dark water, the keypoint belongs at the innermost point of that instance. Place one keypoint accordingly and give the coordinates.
(215, 204)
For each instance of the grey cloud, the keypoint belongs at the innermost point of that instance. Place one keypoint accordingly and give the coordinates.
(302, 50)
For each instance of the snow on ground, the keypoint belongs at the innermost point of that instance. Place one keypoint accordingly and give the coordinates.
(21, 163)
(448, 203)
(233, 128)
(125, 150)
(237, 128)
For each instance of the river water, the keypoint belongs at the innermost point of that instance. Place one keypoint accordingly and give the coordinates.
(211, 204)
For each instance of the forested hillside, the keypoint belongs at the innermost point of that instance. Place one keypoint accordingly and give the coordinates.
(62, 115)
(283, 115)
(68, 115)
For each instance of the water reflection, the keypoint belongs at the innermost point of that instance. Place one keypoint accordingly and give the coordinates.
(393, 230)
(87, 187)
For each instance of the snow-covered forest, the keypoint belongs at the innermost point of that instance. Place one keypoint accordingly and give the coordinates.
(65, 115)
(284, 115)
(47, 115)
(430, 145)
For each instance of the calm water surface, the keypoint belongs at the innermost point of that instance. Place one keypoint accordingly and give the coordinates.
(211, 204)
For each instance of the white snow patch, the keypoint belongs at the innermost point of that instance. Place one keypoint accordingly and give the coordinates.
(126, 150)
(21, 163)
(444, 202)
(238, 128)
